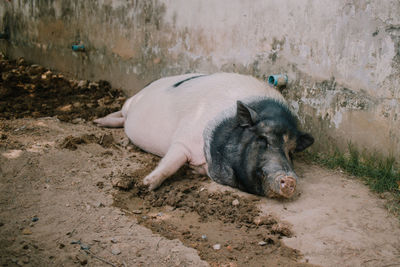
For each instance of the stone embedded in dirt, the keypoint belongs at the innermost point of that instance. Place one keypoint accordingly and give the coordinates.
(115, 251)
(264, 220)
(124, 182)
(66, 108)
(282, 229)
(26, 231)
(35, 219)
(235, 202)
(78, 120)
(262, 243)
(204, 237)
(113, 240)
(217, 247)
(100, 205)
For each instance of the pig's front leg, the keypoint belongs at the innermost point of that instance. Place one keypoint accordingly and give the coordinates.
(175, 158)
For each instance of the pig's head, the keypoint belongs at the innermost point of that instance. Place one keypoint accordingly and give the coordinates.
(271, 136)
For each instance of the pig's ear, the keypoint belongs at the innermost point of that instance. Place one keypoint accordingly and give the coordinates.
(304, 140)
(246, 116)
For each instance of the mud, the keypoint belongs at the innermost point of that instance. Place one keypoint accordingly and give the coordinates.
(33, 91)
(183, 208)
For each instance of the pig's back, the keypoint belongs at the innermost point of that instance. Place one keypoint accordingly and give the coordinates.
(162, 114)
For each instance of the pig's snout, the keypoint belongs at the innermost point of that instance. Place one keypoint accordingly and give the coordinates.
(282, 185)
(287, 186)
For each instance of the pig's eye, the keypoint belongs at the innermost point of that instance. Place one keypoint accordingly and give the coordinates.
(263, 139)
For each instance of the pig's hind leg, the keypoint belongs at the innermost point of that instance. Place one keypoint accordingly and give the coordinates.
(113, 120)
(176, 157)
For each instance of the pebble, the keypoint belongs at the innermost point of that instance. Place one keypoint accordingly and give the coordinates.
(82, 83)
(100, 205)
(26, 231)
(113, 240)
(116, 251)
(35, 219)
(235, 202)
(137, 211)
(204, 237)
(77, 120)
(262, 243)
(217, 247)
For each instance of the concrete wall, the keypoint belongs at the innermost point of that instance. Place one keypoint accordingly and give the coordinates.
(342, 57)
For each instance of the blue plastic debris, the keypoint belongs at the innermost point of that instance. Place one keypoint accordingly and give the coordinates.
(80, 47)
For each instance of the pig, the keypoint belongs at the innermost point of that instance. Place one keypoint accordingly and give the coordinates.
(234, 128)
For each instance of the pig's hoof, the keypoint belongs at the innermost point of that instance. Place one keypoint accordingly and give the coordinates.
(99, 122)
(151, 182)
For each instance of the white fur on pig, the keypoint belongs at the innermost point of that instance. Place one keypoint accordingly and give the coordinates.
(170, 121)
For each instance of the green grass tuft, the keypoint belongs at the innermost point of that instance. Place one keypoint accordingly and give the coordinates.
(378, 172)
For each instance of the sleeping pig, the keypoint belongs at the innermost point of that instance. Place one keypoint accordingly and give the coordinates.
(236, 129)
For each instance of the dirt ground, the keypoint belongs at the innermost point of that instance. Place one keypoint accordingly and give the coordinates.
(70, 195)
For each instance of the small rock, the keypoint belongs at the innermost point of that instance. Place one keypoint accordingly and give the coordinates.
(235, 202)
(115, 251)
(204, 237)
(82, 83)
(264, 220)
(26, 231)
(217, 247)
(66, 108)
(229, 248)
(100, 205)
(160, 214)
(35, 219)
(137, 211)
(262, 243)
(113, 240)
(77, 120)
(61, 246)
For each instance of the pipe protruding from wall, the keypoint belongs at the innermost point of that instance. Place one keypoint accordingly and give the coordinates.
(278, 80)
(78, 48)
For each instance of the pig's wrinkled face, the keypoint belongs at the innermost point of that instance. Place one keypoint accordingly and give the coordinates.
(274, 138)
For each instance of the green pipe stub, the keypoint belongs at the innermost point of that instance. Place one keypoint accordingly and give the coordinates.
(278, 80)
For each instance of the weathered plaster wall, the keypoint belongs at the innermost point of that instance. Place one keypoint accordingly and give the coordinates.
(342, 57)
